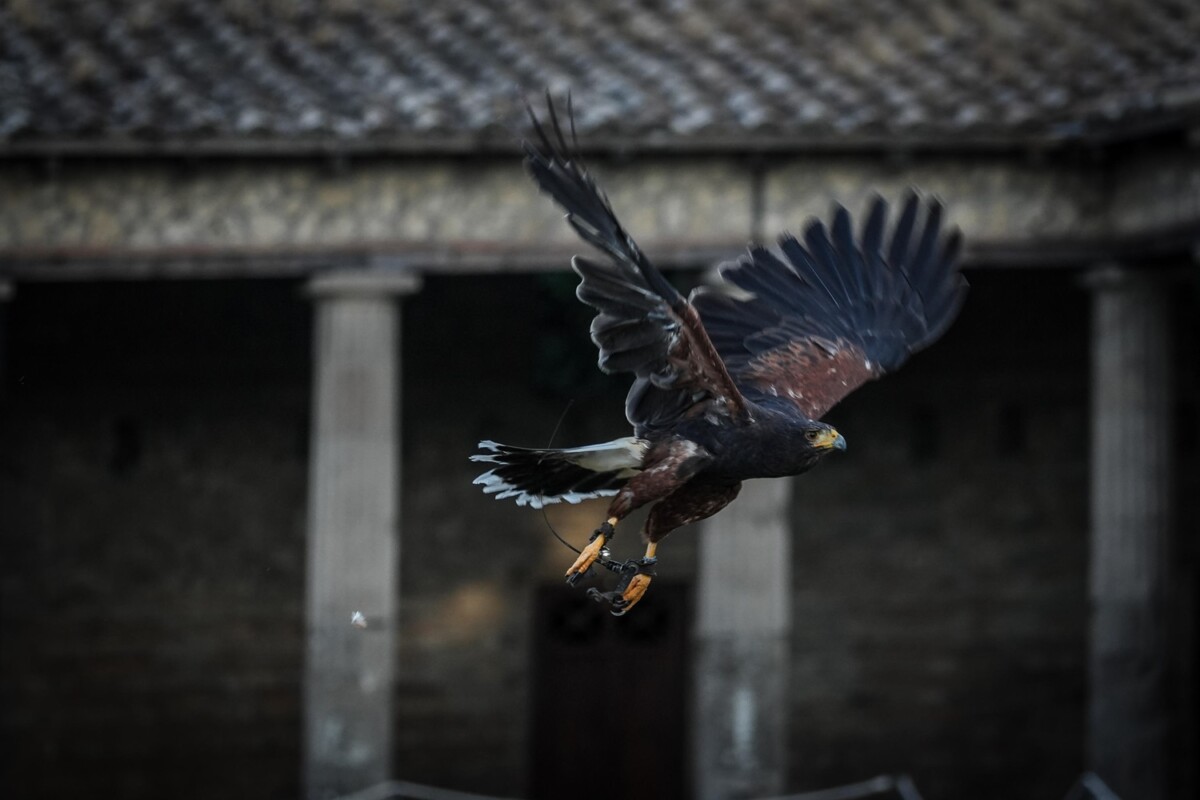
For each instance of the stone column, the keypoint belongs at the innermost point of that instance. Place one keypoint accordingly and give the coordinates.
(1130, 517)
(353, 531)
(743, 625)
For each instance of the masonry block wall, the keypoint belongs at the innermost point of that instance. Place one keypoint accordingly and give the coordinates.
(152, 479)
(152, 483)
(940, 567)
(940, 564)
(448, 204)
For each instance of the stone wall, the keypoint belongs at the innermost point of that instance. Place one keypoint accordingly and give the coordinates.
(264, 204)
(152, 501)
(991, 199)
(152, 490)
(940, 567)
(1156, 187)
(115, 210)
(153, 486)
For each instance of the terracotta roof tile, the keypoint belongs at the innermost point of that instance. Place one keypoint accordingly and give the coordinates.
(380, 72)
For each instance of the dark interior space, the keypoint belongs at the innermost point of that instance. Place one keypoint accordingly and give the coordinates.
(610, 698)
(152, 481)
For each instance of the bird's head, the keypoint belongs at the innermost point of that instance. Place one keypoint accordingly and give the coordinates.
(823, 439)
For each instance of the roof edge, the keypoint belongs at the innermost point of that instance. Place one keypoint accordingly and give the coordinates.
(469, 145)
(1143, 249)
(497, 142)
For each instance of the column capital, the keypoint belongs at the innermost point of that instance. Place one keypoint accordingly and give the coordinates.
(363, 283)
(1107, 275)
(1114, 276)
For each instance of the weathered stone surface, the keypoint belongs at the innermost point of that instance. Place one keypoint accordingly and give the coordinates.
(1130, 551)
(226, 206)
(1155, 190)
(988, 198)
(741, 715)
(132, 206)
(743, 624)
(141, 217)
(354, 534)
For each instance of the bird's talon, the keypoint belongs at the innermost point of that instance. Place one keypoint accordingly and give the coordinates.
(587, 557)
(633, 576)
(632, 595)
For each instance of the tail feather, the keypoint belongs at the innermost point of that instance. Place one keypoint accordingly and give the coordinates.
(539, 477)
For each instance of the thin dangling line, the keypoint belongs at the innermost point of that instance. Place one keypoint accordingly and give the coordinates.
(549, 444)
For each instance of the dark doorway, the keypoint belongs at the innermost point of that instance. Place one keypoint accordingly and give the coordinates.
(610, 697)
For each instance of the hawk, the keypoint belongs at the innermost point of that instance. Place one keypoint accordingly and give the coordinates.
(731, 382)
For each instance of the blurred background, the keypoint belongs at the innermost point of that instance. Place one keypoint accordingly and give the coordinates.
(269, 270)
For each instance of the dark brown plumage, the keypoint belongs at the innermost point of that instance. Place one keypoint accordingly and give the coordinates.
(728, 385)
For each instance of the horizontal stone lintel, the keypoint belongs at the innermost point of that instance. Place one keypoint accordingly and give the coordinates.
(240, 219)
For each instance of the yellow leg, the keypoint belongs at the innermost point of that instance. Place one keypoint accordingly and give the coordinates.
(591, 552)
(637, 585)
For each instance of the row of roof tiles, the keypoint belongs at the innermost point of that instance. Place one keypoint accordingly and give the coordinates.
(374, 72)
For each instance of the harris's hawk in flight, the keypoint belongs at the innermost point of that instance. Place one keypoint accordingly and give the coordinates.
(731, 382)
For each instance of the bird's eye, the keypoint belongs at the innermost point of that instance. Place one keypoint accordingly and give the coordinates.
(811, 436)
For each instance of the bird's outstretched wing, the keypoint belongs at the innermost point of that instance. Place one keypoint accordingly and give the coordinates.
(834, 312)
(644, 325)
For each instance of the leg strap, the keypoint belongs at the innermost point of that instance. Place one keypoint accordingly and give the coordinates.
(606, 529)
(609, 532)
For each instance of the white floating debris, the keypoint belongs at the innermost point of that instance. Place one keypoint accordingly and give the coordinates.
(358, 620)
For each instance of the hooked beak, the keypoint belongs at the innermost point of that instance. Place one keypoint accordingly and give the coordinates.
(830, 440)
